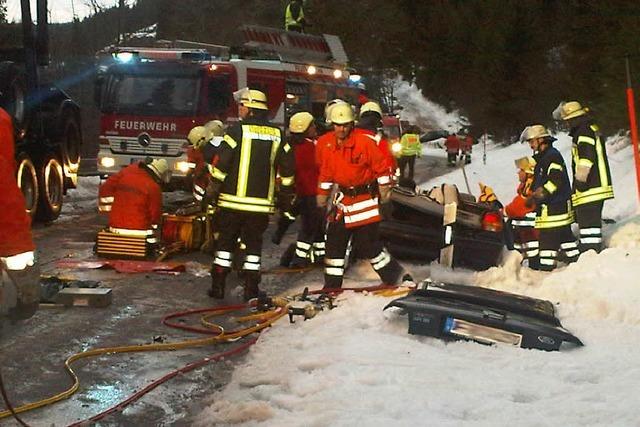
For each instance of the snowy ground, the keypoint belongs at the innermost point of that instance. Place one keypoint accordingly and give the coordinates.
(356, 365)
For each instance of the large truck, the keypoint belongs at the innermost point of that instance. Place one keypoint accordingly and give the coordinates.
(150, 97)
(46, 120)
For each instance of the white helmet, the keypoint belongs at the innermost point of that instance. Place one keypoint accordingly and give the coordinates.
(216, 127)
(300, 122)
(329, 107)
(160, 167)
(199, 136)
(569, 110)
(371, 106)
(342, 114)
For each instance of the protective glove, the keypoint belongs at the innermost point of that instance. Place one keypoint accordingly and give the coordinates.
(321, 201)
(385, 193)
(211, 194)
(580, 186)
(286, 199)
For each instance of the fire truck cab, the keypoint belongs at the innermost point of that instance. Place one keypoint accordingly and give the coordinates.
(151, 97)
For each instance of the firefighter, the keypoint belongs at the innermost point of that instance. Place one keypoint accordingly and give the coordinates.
(243, 186)
(294, 16)
(133, 199)
(551, 194)
(521, 218)
(310, 244)
(410, 149)
(357, 167)
(452, 145)
(198, 138)
(591, 174)
(19, 271)
(369, 124)
(466, 146)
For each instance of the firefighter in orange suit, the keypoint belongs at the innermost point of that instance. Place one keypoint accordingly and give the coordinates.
(19, 272)
(522, 218)
(358, 168)
(133, 199)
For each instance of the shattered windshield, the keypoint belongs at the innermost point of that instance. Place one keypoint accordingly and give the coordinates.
(152, 95)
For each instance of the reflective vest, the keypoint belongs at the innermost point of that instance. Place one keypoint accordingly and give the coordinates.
(291, 21)
(589, 151)
(355, 166)
(251, 155)
(554, 209)
(15, 224)
(411, 145)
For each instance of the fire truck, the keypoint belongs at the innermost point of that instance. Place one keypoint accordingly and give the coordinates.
(46, 120)
(150, 97)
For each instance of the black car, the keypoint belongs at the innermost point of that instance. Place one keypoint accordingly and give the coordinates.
(413, 228)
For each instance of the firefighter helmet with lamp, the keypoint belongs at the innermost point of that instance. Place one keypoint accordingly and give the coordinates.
(569, 110)
(370, 106)
(251, 98)
(199, 136)
(329, 107)
(342, 114)
(300, 122)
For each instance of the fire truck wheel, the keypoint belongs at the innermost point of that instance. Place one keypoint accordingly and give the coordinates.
(28, 182)
(12, 91)
(70, 144)
(51, 186)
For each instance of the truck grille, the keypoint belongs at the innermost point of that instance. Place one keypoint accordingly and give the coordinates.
(156, 146)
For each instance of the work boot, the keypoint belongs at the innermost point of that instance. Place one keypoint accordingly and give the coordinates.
(218, 278)
(251, 289)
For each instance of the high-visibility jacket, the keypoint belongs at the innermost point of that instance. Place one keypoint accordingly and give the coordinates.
(307, 169)
(554, 209)
(383, 145)
(589, 151)
(251, 155)
(15, 224)
(294, 16)
(136, 199)
(355, 166)
(452, 144)
(324, 143)
(411, 145)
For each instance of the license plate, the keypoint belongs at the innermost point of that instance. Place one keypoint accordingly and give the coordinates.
(480, 333)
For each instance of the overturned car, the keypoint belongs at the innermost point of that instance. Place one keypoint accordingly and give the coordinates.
(414, 228)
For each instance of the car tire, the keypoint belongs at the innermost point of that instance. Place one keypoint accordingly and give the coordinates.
(51, 189)
(70, 143)
(27, 178)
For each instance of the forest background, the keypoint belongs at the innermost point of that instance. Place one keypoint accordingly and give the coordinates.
(503, 64)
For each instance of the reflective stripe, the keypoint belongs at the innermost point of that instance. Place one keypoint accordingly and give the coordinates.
(532, 253)
(302, 253)
(381, 260)
(334, 262)
(584, 162)
(222, 262)
(224, 255)
(547, 261)
(350, 219)
(334, 271)
(198, 189)
(590, 240)
(217, 173)
(104, 208)
(548, 254)
(552, 221)
(319, 245)
(128, 232)
(568, 245)
(152, 240)
(289, 216)
(303, 245)
(532, 244)
(286, 148)
(523, 222)
(249, 200)
(106, 199)
(384, 180)
(587, 139)
(326, 185)
(287, 181)
(230, 141)
(369, 203)
(252, 266)
(592, 195)
(253, 258)
(19, 261)
(550, 187)
(197, 196)
(595, 231)
(245, 207)
(554, 166)
(573, 253)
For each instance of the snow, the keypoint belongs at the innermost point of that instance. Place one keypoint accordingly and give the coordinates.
(357, 365)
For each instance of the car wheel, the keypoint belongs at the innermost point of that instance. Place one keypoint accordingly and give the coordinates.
(51, 186)
(27, 179)
(70, 144)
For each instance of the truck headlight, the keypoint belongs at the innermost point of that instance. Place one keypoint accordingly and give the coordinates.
(107, 162)
(184, 167)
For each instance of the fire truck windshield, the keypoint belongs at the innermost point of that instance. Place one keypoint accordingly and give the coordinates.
(151, 95)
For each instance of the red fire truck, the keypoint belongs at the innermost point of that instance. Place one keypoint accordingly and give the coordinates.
(151, 97)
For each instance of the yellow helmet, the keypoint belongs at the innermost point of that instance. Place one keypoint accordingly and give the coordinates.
(526, 164)
(251, 98)
(342, 114)
(569, 110)
(534, 131)
(160, 167)
(300, 122)
(216, 127)
(486, 194)
(329, 106)
(199, 136)
(370, 106)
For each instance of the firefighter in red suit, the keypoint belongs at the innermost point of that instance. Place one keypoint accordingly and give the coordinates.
(522, 217)
(135, 194)
(452, 145)
(358, 168)
(20, 274)
(466, 146)
(369, 124)
(204, 145)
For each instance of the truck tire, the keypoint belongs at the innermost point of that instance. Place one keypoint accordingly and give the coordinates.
(51, 189)
(70, 144)
(27, 178)
(12, 91)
